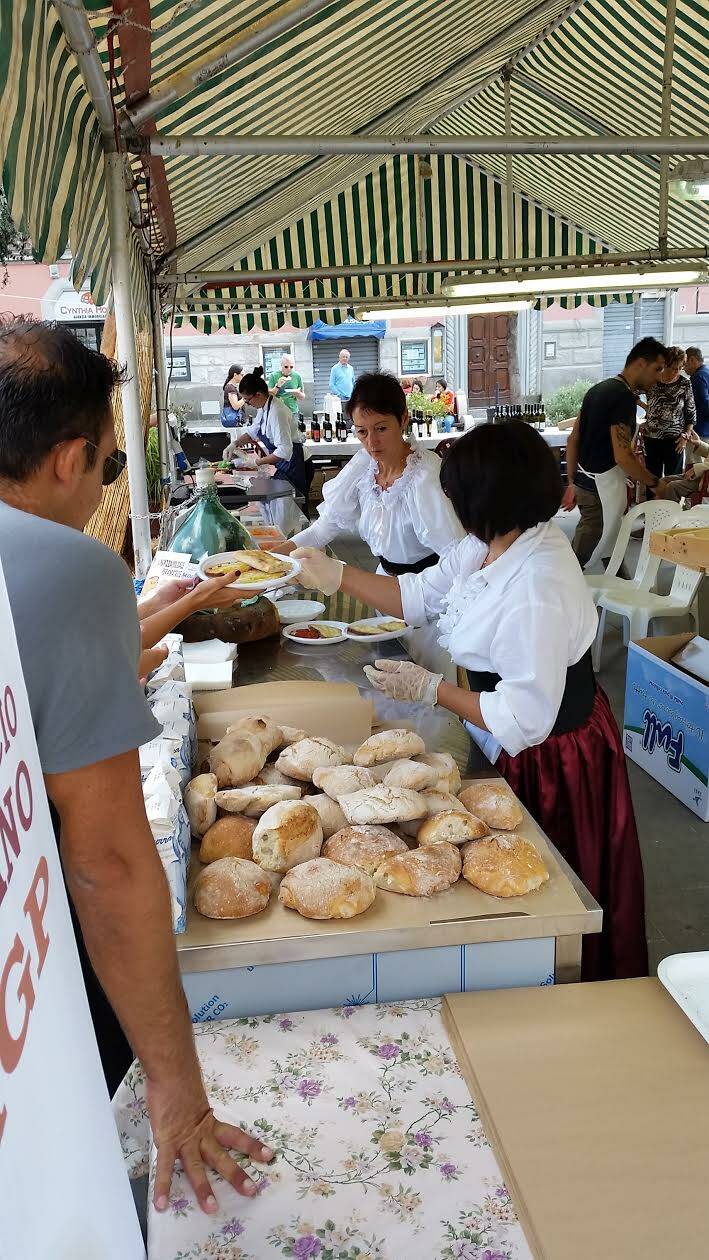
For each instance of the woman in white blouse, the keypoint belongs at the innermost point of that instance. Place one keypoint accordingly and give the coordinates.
(390, 494)
(512, 607)
(274, 431)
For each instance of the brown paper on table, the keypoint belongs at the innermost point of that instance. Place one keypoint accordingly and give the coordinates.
(595, 1098)
(333, 710)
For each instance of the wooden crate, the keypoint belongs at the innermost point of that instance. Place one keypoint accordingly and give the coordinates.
(682, 546)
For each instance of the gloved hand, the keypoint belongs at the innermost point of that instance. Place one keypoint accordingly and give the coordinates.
(318, 571)
(402, 680)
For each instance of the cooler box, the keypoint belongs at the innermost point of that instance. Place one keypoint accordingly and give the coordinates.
(666, 725)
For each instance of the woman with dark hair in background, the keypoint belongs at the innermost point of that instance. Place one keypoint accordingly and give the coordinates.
(670, 415)
(445, 395)
(389, 493)
(232, 405)
(513, 609)
(274, 431)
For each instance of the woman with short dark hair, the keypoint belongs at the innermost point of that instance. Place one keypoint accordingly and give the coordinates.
(274, 431)
(513, 609)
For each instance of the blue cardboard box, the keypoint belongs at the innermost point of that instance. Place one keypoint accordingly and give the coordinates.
(666, 725)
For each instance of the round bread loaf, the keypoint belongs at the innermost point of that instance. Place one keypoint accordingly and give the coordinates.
(331, 815)
(291, 735)
(365, 846)
(420, 872)
(254, 799)
(302, 759)
(236, 759)
(410, 774)
(262, 728)
(200, 803)
(387, 746)
(228, 837)
(503, 865)
(231, 888)
(494, 803)
(288, 833)
(339, 780)
(447, 769)
(452, 826)
(274, 778)
(435, 802)
(382, 804)
(322, 889)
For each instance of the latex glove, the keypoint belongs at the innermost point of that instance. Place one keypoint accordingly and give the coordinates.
(230, 452)
(318, 572)
(402, 680)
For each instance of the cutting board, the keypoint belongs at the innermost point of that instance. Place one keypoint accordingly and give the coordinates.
(333, 710)
(595, 1098)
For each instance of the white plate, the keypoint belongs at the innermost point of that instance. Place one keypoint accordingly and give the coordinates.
(298, 610)
(377, 638)
(266, 584)
(341, 626)
(686, 977)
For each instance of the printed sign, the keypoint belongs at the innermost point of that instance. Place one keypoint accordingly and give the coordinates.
(166, 565)
(178, 365)
(65, 1192)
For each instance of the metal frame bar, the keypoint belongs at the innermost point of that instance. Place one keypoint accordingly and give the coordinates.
(249, 40)
(509, 191)
(389, 146)
(285, 275)
(665, 124)
(160, 378)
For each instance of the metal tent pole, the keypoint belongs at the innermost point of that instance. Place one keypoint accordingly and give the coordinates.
(509, 192)
(390, 146)
(120, 236)
(666, 121)
(160, 386)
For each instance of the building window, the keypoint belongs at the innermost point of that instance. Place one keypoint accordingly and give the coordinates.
(414, 357)
(271, 356)
(549, 349)
(88, 334)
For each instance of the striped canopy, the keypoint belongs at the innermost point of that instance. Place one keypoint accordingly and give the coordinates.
(425, 65)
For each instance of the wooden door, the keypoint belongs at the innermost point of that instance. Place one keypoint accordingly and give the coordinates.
(488, 360)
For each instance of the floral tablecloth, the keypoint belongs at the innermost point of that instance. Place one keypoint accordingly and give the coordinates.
(381, 1154)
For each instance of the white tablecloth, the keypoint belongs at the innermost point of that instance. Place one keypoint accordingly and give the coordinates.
(380, 1151)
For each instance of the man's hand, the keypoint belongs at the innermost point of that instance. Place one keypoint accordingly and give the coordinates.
(660, 489)
(568, 503)
(149, 660)
(185, 1128)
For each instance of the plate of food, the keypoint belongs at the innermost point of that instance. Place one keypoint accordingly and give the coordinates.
(377, 629)
(253, 570)
(316, 633)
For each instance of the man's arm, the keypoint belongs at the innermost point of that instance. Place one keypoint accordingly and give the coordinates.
(621, 440)
(118, 887)
(332, 378)
(572, 462)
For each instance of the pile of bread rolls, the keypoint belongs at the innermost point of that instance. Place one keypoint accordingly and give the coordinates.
(280, 808)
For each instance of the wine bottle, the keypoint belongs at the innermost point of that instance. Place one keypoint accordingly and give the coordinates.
(327, 429)
(316, 428)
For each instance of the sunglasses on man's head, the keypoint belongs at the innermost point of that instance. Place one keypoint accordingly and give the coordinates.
(113, 464)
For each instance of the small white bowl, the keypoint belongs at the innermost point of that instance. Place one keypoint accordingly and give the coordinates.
(291, 611)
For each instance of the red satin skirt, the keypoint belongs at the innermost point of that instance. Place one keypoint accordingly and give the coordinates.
(576, 787)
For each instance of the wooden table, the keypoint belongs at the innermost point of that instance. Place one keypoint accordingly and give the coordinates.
(689, 547)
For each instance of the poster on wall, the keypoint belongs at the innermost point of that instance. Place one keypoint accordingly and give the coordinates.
(64, 1190)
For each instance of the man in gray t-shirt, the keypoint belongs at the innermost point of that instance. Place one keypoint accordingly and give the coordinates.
(75, 617)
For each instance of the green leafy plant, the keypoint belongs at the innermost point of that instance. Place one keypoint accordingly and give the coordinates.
(13, 243)
(152, 467)
(427, 406)
(566, 400)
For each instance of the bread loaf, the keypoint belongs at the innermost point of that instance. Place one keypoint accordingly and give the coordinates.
(503, 865)
(338, 780)
(254, 798)
(387, 746)
(231, 889)
(494, 803)
(330, 813)
(411, 774)
(291, 735)
(435, 802)
(302, 759)
(262, 728)
(200, 803)
(274, 777)
(236, 759)
(228, 837)
(288, 833)
(420, 872)
(447, 769)
(382, 804)
(452, 826)
(365, 847)
(322, 889)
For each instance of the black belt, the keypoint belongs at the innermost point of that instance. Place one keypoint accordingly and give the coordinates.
(576, 702)
(412, 566)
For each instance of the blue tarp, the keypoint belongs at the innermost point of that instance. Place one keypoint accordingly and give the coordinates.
(348, 328)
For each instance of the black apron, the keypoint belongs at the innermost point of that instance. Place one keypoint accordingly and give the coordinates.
(576, 702)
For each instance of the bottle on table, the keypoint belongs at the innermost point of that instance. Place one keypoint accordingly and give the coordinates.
(315, 431)
(208, 528)
(327, 429)
(301, 425)
(340, 428)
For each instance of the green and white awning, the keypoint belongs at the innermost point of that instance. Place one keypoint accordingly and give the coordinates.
(341, 71)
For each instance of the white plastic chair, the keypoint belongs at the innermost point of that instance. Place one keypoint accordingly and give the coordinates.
(657, 514)
(639, 605)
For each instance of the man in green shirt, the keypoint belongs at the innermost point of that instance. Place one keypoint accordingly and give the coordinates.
(287, 385)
